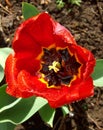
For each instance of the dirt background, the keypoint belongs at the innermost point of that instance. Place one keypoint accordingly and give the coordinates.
(86, 24)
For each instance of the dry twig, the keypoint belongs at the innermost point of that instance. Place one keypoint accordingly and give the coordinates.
(94, 122)
(5, 9)
(8, 3)
(55, 126)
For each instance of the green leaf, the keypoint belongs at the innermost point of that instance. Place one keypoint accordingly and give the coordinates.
(5, 99)
(98, 73)
(76, 2)
(65, 110)
(1, 73)
(47, 114)
(4, 52)
(18, 110)
(29, 10)
(7, 126)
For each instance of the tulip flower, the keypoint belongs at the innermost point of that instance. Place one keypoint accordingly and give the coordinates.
(47, 62)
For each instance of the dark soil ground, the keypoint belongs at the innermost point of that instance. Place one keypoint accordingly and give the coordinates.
(86, 24)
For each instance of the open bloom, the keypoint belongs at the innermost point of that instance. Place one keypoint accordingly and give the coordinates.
(47, 62)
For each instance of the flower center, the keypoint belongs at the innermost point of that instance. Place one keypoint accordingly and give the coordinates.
(58, 66)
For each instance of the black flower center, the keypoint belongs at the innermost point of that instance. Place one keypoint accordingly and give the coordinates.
(58, 66)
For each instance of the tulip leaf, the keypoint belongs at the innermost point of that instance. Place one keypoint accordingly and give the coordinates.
(6, 126)
(5, 99)
(18, 110)
(47, 114)
(29, 10)
(65, 110)
(1, 73)
(98, 73)
(4, 52)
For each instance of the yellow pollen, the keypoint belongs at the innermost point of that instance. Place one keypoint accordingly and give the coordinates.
(55, 66)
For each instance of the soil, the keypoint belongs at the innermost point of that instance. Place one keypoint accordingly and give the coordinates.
(86, 24)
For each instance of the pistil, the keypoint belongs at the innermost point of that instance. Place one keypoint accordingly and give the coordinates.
(55, 66)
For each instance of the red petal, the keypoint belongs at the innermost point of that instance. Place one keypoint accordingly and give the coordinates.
(40, 31)
(85, 57)
(13, 72)
(23, 43)
(72, 94)
(22, 84)
(62, 36)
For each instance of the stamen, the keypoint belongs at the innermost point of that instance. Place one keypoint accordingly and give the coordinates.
(55, 66)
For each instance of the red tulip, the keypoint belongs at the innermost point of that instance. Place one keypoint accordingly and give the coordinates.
(48, 63)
